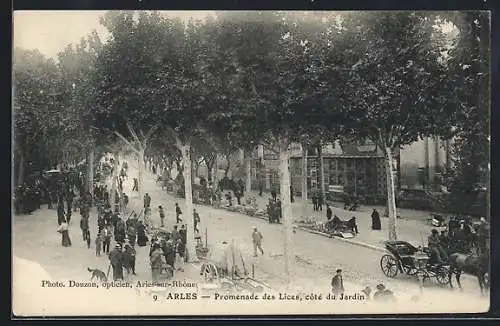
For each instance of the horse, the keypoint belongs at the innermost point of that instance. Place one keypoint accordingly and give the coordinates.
(473, 264)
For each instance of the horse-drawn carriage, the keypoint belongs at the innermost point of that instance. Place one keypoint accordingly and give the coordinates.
(226, 270)
(406, 258)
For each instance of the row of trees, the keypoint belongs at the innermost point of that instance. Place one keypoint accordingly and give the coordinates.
(172, 90)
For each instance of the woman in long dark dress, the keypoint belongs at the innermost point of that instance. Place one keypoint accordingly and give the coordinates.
(375, 220)
(120, 231)
(60, 213)
(63, 223)
(141, 234)
(66, 241)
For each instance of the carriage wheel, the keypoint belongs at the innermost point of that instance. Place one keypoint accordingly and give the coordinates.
(389, 265)
(442, 275)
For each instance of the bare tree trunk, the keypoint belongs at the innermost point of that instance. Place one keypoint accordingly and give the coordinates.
(322, 172)
(284, 156)
(210, 167)
(215, 167)
(248, 172)
(140, 168)
(391, 196)
(114, 180)
(20, 175)
(90, 170)
(226, 171)
(188, 213)
(304, 180)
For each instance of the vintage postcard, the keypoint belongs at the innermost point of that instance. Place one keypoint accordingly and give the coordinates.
(250, 162)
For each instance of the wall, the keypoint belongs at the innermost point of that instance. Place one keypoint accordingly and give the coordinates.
(415, 156)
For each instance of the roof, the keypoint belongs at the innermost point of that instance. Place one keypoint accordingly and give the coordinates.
(347, 149)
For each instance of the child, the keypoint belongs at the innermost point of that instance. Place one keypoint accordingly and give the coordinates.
(98, 244)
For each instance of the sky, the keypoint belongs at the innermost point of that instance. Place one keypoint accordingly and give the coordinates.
(51, 31)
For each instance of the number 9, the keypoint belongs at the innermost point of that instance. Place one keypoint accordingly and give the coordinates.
(155, 297)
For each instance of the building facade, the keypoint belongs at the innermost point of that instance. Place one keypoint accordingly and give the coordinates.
(357, 166)
(424, 163)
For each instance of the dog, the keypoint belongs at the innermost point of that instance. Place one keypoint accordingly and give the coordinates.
(97, 274)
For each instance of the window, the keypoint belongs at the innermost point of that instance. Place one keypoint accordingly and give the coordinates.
(332, 180)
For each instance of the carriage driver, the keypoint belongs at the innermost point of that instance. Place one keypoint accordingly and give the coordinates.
(436, 248)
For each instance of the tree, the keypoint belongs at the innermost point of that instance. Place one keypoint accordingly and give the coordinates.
(39, 114)
(275, 75)
(77, 66)
(399, 83)
(469, 65)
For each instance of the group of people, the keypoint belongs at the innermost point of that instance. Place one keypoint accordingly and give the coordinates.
(460, 236)
(168, 250)
(381, 294)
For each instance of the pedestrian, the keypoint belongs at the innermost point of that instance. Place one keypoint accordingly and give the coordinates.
(106, 238)
(156, 261)
(320, 201)
(129, 258)
(116, 261)
(291, 194)
(261, 188)
(87, 236)
(136, 185)
(61, 217)
(98, 244)
(376, 220)
(328, 212)
(141, 235)
(178, 213)
(120, 231)
(257, 241)
(147, 200)
(169, 249)
(383, 295)
(183, 234)
(274, 195)
(196, 220)
(100, 223)
(132, 234)
(175, 233)
(63, 229)
(238, 194)
(84, 226)
(162, 215)
(180, 250)
(338, 283)
(315, 201)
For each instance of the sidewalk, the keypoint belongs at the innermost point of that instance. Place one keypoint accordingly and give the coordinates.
(311, 272)
(414, 230)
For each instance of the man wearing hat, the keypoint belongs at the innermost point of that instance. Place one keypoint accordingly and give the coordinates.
(116, 261)
(129, 257)
(338, 283)
(257, 241)
(383, 294)
(435, 246)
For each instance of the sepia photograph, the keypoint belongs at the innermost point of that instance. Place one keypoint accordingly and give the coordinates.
(198, 163)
